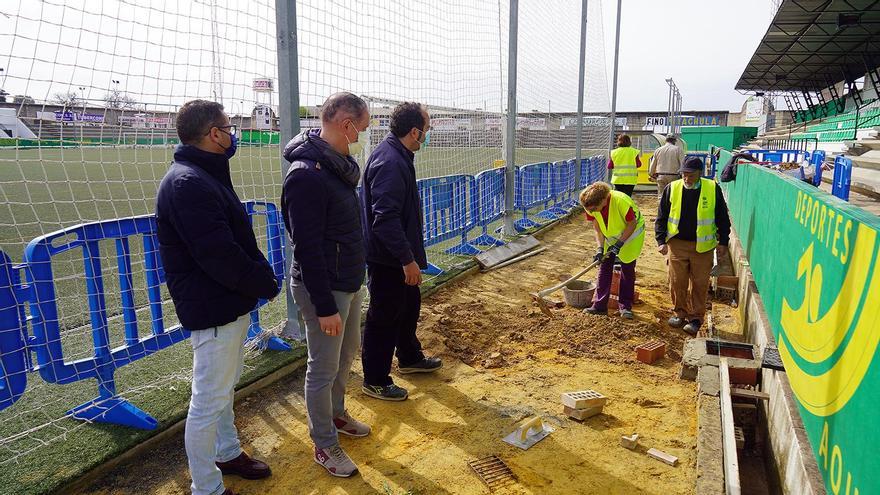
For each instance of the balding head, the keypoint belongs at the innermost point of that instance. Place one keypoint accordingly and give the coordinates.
(341, 106)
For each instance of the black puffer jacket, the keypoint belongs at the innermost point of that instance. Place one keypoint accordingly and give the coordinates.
(214, 270)
(322, 217)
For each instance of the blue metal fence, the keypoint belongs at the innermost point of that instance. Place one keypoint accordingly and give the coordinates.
(38, 292)
(487, 204)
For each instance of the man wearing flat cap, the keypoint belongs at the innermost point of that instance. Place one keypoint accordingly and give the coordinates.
(691, 223)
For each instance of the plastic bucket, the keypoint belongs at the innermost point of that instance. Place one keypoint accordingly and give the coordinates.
(579, 293)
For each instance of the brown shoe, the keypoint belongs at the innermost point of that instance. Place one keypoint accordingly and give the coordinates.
(246, 467)
(228, 492)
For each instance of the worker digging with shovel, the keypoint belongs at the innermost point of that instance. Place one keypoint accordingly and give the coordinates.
(620, 233)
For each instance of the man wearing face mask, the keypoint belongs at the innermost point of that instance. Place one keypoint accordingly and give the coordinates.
(215, 274)
(321, 213)
(691, 223)
(392, 221)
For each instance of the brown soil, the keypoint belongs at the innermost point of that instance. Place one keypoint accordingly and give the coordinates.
(503, 361)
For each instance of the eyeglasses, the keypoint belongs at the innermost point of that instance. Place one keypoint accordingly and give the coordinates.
(233, 129)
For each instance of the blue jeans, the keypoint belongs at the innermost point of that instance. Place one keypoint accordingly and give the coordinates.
(210, 435)
(329, 362)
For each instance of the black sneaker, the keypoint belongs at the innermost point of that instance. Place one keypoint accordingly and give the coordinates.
(426, 365)
(387, 392)
(676, 322)
(692, 327)
(596, 311)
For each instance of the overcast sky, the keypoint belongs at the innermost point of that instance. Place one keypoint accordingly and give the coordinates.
(704, 45)
(447, 53)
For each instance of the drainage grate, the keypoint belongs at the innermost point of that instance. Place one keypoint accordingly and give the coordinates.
(772, 360)
(493, 471)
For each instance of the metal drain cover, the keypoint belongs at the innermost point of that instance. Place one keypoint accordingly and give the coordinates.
(772, 360)
(493, 472)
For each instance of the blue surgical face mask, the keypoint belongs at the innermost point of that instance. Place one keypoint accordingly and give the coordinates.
(233, 140)
(424, 143)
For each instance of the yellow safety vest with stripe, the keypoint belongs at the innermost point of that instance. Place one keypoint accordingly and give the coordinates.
(624, 171)
(617, 208)
(706, 229)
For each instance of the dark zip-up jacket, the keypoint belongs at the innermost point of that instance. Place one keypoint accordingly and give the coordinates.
(213, 267)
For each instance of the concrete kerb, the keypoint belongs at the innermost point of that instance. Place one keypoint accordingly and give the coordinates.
(789, 445)
(463, 270)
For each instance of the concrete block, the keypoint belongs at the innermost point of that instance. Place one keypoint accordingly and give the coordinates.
(581, 414)
(710, 471)
(708, 381)
(629, 442)
(650, 351)
(583, 399)
(663, 457)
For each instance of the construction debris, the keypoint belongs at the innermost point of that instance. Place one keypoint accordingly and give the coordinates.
(650, 351)
(663, 457)
(629, 442)
(499, 254)
(583, 399)
(581, 414)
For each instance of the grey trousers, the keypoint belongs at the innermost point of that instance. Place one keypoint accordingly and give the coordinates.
(329, 362)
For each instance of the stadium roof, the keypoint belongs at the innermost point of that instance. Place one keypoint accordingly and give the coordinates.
(812, 44)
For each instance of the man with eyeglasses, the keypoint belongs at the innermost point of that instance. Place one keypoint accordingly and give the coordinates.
(215, 273)
(320, 209)
(395, 255)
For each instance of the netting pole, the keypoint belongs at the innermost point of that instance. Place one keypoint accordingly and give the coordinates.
(614, 85)
(288, 117)
(510, 134)
(580, 114)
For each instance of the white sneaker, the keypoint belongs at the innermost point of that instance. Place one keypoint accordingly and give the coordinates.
(336, 461)
(347, 425)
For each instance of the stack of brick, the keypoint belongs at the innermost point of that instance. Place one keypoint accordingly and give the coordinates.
(584, 404)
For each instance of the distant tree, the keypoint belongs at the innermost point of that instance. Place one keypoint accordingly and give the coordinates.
(67, 98)
(119, 100)
(303, 112)
(22, 99)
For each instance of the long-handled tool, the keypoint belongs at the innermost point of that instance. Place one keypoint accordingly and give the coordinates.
(539, 297)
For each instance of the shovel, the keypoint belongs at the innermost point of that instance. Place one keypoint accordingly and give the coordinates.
(539, 297)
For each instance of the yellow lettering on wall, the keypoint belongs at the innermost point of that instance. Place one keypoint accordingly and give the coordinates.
(836, 475)
(822, 222)
(830, 221)
(823, 446)
(805, 211)
(797, 204)
(815, 214)
(836, 235)
(845, 255)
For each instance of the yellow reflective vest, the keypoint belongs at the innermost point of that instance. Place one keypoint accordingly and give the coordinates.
(624, 171)
(706, 229)
(617, 208)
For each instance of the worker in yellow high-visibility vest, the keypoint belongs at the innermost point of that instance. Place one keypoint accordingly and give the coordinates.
(624, 164)
(620, 234)
(691, 224)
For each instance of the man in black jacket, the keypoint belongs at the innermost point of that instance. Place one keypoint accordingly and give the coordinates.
(215, 273)
(320, 209)
(395, 254)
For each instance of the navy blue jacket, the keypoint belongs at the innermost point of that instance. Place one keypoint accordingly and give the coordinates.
(392, 212)
(320, 209)
(214, 270)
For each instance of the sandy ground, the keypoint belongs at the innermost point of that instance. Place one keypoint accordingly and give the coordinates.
(504, 361)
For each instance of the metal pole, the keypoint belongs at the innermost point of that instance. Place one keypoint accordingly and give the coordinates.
(614, 84)
(669, 107)
(578, 151)
(288, 119)
(510, 131)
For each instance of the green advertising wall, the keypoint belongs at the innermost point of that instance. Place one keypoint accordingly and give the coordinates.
(815, 262)
(701, 138)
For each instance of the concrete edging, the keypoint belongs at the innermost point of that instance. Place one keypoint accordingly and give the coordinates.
(792, 453)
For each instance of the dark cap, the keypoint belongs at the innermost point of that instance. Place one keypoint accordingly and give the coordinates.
(692, 164)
